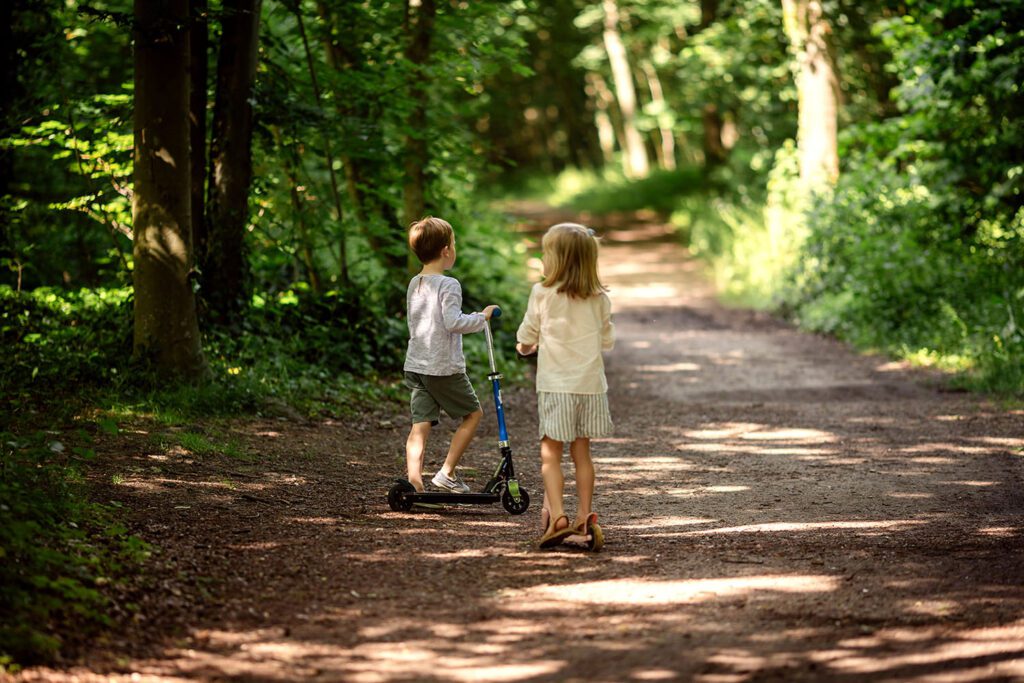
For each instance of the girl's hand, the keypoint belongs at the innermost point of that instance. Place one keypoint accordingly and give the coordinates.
(526, 349)
(488, 311)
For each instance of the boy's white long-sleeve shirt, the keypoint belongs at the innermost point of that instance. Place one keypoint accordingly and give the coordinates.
(436, 325)
(570, 335)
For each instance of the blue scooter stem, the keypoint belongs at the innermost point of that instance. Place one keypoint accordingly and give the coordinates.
(495, 384)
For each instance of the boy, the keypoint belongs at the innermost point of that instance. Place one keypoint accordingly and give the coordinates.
(435, 369)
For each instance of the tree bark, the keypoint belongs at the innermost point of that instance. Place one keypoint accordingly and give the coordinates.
(166, 330)
(8, 88)
(225, 266)
(715, 153)
(636, 163)
(335, 194)
(364, 170)
(667, 140)
(817, 88)
(199, 74)
(605, 130)
(421, 30)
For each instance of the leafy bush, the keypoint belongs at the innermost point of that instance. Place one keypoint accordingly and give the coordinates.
(59, 553)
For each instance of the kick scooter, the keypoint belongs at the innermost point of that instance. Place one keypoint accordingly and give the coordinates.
(503, 486)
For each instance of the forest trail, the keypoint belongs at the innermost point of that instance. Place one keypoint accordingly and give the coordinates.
(776, 508)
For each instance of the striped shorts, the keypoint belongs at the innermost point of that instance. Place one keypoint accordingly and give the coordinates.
(567, 417)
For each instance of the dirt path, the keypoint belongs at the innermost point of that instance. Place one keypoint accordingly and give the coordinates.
(776, 508)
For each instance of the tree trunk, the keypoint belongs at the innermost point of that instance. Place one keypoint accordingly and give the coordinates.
(715, 152)
(339, 213)
(667, 157)
(291, 163)
(364, 169)
(636, 165)
(708, 13)
(421, 30)
(8, 87)
(604, 115)
(198, 71)
(166, 329)
(225, 269)
(817, 88)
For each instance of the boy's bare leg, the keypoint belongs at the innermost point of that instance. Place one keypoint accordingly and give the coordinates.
(551, 470)
(460, 441)
(414, 447)
(580, 452)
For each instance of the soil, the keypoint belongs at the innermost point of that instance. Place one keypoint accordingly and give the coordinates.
(775, 507)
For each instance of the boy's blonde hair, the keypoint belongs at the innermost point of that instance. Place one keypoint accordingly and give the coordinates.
(570, 260)
(429, 236)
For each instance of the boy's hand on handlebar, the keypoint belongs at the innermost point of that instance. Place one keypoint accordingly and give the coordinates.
(526, 349)
(488, 311)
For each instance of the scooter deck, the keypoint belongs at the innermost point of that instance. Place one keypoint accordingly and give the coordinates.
(478, 498)
(444, 497)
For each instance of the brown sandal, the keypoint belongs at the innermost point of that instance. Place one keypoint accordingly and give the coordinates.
(591, 530)
(554, 536)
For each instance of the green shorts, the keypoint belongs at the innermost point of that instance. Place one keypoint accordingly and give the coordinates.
(431, 394)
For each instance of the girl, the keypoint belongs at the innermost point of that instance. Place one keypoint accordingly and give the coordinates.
(568, 322)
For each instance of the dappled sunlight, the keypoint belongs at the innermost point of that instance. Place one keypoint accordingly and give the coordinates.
(751, 431)
(457, 555)
(737, 449)
(1001, 531)
(947, 447)
(999, 441)
(668, 522)
(993, 652)
(669, 367)
(647, 292)
(879, 526)
(790, 435)
(727, 431)
(932, 460)
(651, 592)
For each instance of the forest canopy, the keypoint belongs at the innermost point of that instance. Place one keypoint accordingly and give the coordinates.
(853, 165)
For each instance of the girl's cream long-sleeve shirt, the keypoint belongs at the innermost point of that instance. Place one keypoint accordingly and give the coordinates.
(570, 335)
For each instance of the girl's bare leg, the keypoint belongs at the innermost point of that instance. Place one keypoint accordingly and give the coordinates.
(551, 470)
(580, 452)
(414, 447)
(460, 441)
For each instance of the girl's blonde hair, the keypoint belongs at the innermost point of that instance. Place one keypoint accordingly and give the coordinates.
(570, 260)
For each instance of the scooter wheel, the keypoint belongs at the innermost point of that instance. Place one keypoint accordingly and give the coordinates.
(512, 505)
(397, 498)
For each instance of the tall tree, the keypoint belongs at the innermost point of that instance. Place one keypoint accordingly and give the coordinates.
(199, 44)
(818, 90)
(366, 170)
(224, 264)
(420, 32)
(636, 165)
(166, 329)
(715, 152)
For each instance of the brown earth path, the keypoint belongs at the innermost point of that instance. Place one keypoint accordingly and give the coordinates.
(776, 508)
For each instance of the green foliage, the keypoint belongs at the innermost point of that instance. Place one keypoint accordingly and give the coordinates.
(59, 553)
(921, 248)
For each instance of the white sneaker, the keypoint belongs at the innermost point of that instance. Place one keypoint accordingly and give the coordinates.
(442, 480)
